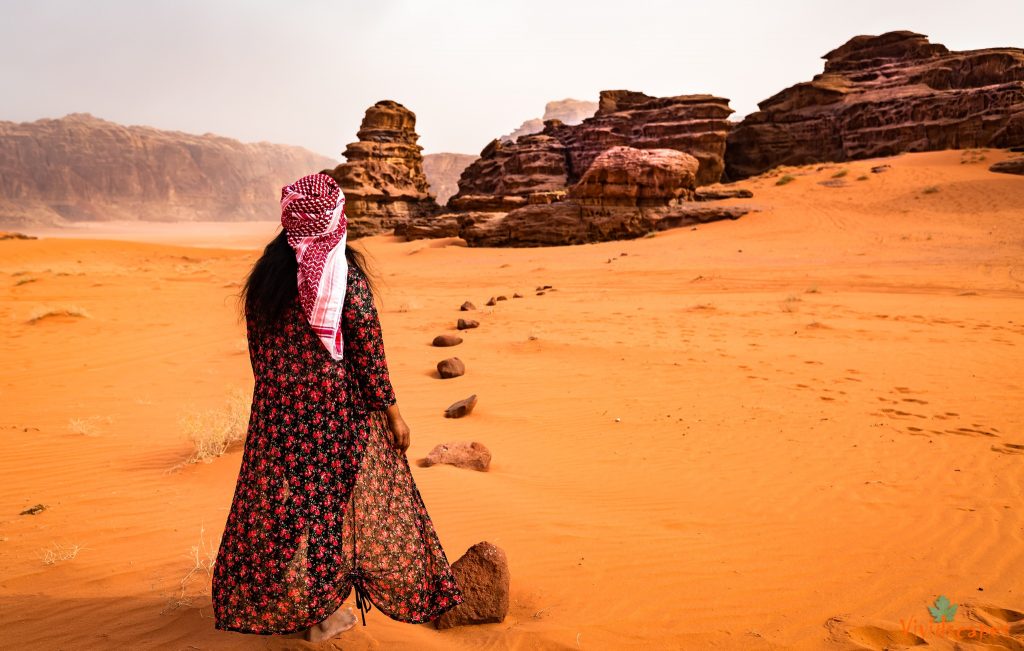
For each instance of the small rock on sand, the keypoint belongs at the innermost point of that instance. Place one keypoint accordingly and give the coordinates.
(466, 325)
(34, 510)
(470, 455)
(483, 576)
(492, 301)
(517, 295)
(1011, 166)
(451, 367)
(446, 340)
(467, 306)
(502, 298)
(878, 169)
(461, 408)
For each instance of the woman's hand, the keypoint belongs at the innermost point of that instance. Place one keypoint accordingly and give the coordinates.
(399, 429)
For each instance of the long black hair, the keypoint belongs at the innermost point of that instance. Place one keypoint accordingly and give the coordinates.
(272, 284)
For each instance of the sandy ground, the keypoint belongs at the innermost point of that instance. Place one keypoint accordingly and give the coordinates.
(792, 431)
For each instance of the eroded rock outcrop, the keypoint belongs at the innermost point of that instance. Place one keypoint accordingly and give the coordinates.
(626, 193)
(883, 95)
(383, 177)
(508, 174)
(81, 168)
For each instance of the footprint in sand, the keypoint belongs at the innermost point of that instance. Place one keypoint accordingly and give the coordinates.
(1002, 620)
(871, 636)
(1008, 448)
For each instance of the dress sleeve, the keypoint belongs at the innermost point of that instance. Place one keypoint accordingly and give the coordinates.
(364, 346)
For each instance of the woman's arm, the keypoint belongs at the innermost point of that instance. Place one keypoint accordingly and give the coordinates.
(364, 350)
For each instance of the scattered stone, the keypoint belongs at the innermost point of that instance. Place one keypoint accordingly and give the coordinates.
(446, 340)
(492, 301)
(461, 408)
(467, 306)
(540, 293)
(502, 298)
(1011, 166)
(466, 325)
(451, 367)
(878, 169)
(34, 510)
(517, 295)
(483, 575)
(546, 287)
(470, 455)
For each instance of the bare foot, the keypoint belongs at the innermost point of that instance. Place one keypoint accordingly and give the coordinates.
(340, 621)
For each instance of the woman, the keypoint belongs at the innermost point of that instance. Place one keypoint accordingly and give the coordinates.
(325, 501)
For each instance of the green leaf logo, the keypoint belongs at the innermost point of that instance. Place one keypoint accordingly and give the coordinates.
(942, 609)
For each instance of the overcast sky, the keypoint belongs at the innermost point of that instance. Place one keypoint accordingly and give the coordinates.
(304, 71)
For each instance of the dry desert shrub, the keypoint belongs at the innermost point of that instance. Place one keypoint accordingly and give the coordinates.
(87, 426)
(215, 431)
(203, 555)
(840, 174)
(58, 553)
(46, 313)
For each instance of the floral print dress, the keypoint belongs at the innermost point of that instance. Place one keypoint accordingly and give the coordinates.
(323, 502)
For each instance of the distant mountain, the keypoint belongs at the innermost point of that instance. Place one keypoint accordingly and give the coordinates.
(82, 168)
(569, 111)
(443, 172)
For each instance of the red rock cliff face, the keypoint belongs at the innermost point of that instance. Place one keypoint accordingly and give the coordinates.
(383, 180)
(81, 168)
(883, 95)
(508, 172)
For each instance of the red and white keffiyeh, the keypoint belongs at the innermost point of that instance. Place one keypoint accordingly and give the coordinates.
(313, 215)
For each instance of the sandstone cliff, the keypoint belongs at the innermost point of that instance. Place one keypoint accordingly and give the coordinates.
(883, 95)
(80, 168)
(566, 111)
(383, 177)
(443, 172)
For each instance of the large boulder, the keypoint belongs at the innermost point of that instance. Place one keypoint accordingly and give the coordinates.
(484, 579)
(883, 95)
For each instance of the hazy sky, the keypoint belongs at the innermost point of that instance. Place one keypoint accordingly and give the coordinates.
(304, 71)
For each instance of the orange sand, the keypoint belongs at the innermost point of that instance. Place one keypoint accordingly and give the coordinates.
(790, 431)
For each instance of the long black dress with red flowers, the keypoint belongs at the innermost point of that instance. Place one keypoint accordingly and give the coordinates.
(324, 503)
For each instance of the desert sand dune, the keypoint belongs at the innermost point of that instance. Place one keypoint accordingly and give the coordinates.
(792, 431)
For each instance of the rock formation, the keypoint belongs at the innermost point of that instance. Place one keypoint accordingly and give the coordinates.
(82, 168)
(883, 95)
(383, 177)
(443, 172)
(509, 175)
(626, 193)
(566, 111)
